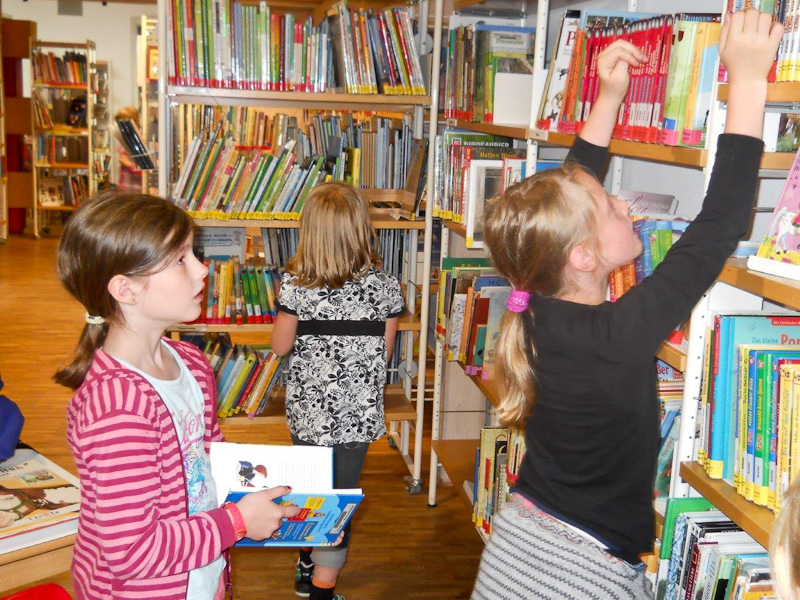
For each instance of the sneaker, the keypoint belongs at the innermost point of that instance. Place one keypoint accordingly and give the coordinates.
(338, 597)
(302, 578)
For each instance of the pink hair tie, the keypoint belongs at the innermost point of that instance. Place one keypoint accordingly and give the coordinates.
(518, 301)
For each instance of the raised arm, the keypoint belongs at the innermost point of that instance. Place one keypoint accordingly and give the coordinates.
(646, 314)
(590, 149)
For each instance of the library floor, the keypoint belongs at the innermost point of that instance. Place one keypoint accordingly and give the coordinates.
(400, 547)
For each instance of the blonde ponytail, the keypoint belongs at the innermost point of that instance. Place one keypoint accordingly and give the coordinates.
(514, 369)
(530, 231)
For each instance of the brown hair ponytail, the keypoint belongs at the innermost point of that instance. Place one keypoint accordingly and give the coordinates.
(113, 234)
(529, 232)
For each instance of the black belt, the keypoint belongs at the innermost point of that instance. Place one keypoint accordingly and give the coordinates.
(341, 327)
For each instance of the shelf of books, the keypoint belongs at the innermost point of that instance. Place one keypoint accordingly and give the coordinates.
(672, 355)
(64, 123)
(755, 520)
(771, 287)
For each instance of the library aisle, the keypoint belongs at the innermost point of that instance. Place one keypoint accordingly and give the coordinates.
(401, 548)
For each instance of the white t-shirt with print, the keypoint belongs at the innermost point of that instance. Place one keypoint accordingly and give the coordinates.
(184, 400)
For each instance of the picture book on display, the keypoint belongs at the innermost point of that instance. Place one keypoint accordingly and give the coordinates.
(39, 500)
(239, 469)
(779, 253)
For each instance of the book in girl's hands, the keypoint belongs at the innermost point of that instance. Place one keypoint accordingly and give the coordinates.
(239, 469)
(779, 253)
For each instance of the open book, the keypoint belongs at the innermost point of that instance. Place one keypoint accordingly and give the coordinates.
(239, 469)
(39, 501)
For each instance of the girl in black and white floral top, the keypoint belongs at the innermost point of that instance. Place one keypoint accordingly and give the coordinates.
(338, 314)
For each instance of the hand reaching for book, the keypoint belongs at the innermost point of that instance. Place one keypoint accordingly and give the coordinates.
(748, 43)
(261, 515)
(613, 65)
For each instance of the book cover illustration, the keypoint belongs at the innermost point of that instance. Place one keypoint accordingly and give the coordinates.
(779, 253)
(322, 519)
(239, 469)
(39, 501)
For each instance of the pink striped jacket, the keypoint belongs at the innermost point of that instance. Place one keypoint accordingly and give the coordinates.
(135, 538)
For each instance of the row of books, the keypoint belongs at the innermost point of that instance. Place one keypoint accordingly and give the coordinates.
(471, 303)
(233, 45)
(375, 52)
(69, 68)
(64, 190)
(222, 180)
(497, 462)
(669, 95)
(455, 188)
(245, 375)
(749, 411)
(476, 54)
(670, 397)
(787, 62)
(238, 293)
(705, 555)
(56, 149)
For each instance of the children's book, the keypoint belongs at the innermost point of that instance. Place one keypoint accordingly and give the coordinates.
(239, 469)
(779, 253)
(39, 500)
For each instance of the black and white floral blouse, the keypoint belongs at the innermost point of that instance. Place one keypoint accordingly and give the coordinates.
(337, 371)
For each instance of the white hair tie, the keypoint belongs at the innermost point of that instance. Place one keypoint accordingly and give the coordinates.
(94, 319)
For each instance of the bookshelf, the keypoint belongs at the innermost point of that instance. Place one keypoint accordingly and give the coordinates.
(755, 520)
(65, 88)
(101, 125)
(416, 272)
(147, 70)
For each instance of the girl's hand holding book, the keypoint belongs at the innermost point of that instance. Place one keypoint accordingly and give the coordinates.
(262, 517)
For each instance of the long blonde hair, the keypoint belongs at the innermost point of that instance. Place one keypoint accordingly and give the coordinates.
(784, 544)
(113, 234)
(530, 231)
(337, 241)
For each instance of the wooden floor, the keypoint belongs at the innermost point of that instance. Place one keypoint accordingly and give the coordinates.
(401, 548)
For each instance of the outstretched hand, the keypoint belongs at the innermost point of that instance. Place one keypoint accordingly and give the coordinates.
(613, 65)
(748, 43)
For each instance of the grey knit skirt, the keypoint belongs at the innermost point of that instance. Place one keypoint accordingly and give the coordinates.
(533, 555)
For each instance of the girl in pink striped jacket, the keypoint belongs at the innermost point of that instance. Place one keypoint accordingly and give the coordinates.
(142, 417)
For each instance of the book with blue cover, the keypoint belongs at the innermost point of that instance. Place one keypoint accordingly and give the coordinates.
(239, 469)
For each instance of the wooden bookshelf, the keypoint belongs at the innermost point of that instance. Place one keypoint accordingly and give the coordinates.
(380, 221)
(457, 228)
(65, 166)
(778, 161)
(57, 208)
(771, 287)
(215, 96)
(776, 92)
(674, 356)
(457, 458)
(755, 520)
(486, 386)
(396, 406)
(674, 155)
(61, 86)
(405, 323)
(512, 131)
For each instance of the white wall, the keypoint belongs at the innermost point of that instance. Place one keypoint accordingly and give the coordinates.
(112, 28)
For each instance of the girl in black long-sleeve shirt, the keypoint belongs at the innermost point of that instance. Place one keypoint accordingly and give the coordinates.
(579, 369)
